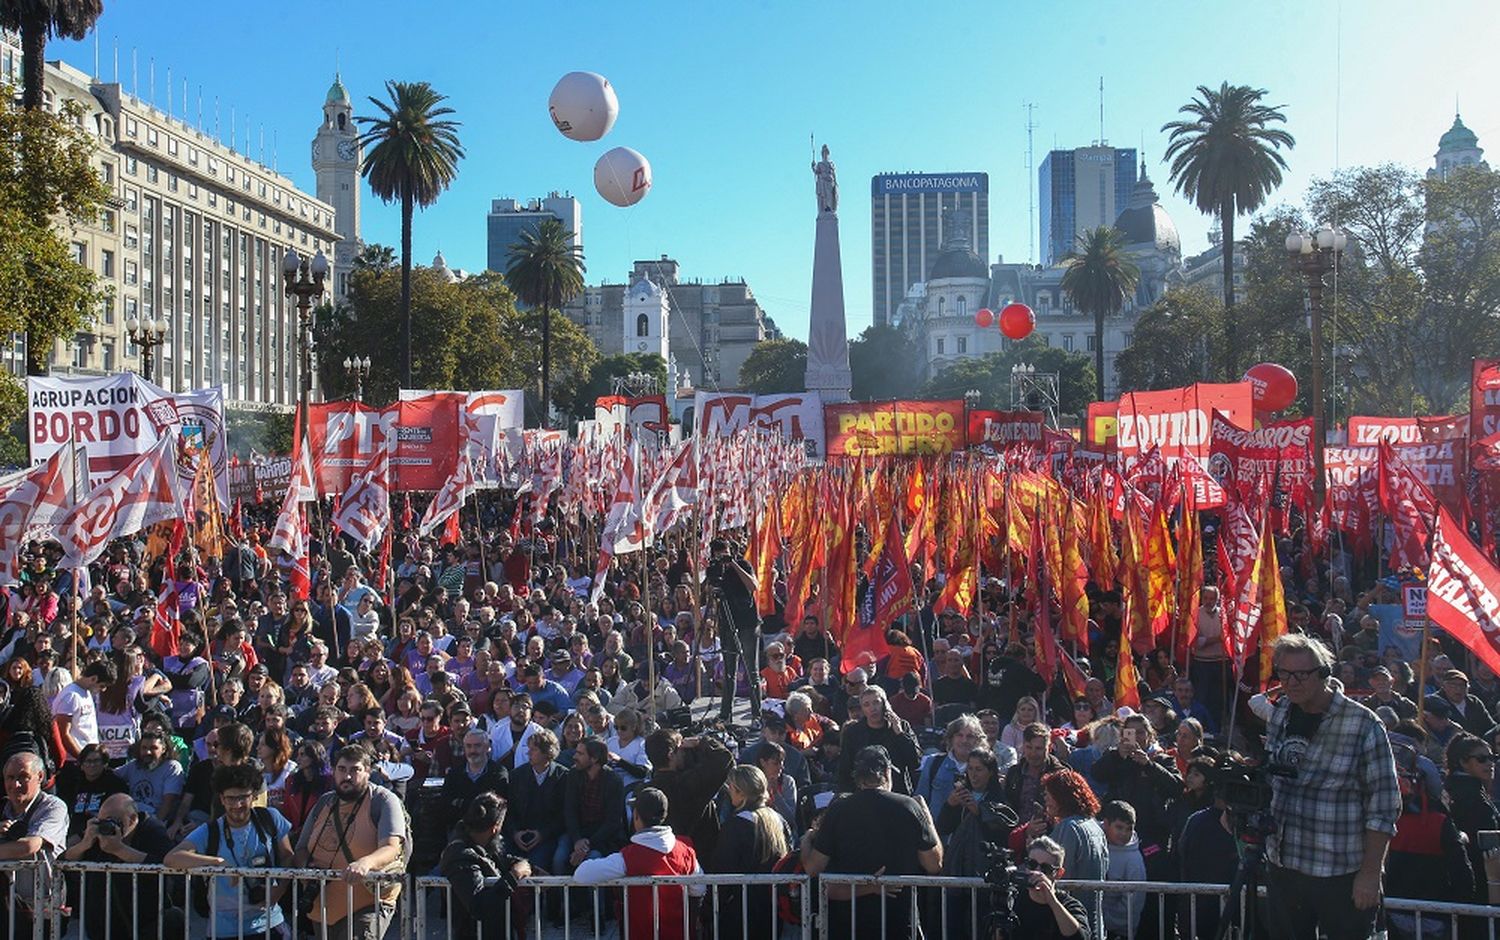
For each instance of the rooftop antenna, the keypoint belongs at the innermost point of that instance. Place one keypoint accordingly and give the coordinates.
(151, 77)
(200, 109)
(95, 31)
(218, 136)
(273, 149)
(1030, 185)
(117, 60)
(231, 127)
(1101, 110)
(135, 75)
(169, 91)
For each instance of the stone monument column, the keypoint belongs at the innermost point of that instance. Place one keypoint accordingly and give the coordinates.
(827, 339)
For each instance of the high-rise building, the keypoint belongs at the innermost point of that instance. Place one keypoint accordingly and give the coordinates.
(1080, 190)
(508, 218)
(906, 231)
(711, 327)
(336, 158)
(193, 234)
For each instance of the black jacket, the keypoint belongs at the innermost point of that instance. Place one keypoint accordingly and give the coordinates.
(691, 791)
(609, 835)
(1014, 779)
(905, 755)
(458, 789)
(1148, 787)
(536, 805)
(467, 864)
(1472, 812)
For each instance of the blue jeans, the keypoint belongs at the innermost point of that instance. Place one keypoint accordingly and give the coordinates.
(551, 855)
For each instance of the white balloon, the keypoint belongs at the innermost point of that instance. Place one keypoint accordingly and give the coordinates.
(622, 176)
(583, 106)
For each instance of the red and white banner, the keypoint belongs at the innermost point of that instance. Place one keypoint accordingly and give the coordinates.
(142, 494)
(647, 413)
(116, 418)
(34, 501)
(1351, 476)
(1280, 453)
(1179, 421)
(492, 422)
(449, 500)
(1484, 400)
(427, 439)
(1410, 504)
(675, 490)
(1366, 431)
(343, 436)
(1005, 430)
(365, 510)
(797, 416)
(1462, 591)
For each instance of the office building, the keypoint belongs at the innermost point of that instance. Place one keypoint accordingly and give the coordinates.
(193, 233)
(906, 231)
(1080, 190)
(711, 327)
(508, 218)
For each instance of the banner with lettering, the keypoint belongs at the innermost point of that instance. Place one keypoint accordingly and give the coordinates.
(645, 413)
(1179, 421)
(116, 418)
(1280, 452)
(797, 416)
(893, 427)
(1102, 425)
(1004, 430)
(1352, 478)
(1366, 431)
(427, 439)
(342, 436)
(1484, 399)
(493, 421)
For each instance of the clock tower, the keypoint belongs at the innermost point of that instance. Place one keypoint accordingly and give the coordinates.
(336, 158)
(647, 319)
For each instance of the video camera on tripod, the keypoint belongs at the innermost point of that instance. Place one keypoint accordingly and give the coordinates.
(1246, 791)
(1001, 872)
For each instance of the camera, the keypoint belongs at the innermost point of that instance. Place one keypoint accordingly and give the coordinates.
(1246, 792)
(107, 827)
(1001, 871)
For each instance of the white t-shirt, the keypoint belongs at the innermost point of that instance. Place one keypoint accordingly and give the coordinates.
(78, 704)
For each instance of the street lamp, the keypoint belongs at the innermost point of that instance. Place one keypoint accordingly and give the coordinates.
(304, 280)
(358, 369)
(1314, 254)
(147, 334)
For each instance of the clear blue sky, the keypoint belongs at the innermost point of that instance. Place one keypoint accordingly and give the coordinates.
(722, 96)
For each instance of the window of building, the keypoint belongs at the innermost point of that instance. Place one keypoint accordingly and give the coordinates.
(192, 190)
(1129, 338)
(1067, 342)
(963, 343)
(107, 220)
(80, 352)
(132, 165)
(961, 308)
(132, 199)
(172, 182)
(1092, 343)
(643, 325)
(132, 127)
(80, 252)
(172, 145)
(941, 301)
(940, 343)
(132, 236)
(151, 173)
(107, 173)
(107, 350)
(132, 273)
(107, 263)
(151, 136)
(132, 306)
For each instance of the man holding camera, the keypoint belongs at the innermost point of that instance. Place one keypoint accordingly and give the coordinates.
(732, 586)
(119, 904)
(1334, 798)
(1046, 910)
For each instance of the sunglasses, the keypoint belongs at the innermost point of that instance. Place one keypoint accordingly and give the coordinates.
(1483, 758)
(1046, 868)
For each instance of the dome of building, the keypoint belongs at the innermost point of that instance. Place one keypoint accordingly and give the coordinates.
(1144, 222)
(440, 265)
(337, 93)
(645, 288)
(1458, 137)
(956, 258)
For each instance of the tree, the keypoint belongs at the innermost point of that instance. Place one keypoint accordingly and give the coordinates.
(883, 364)
(546, 271)
(1226, 158)
(1177, 342)
(374, 257)
(1100, 276)
(602, 376)
(38, 20)
(48, 186)
(775, 365)
(990, 375)
(412, 156)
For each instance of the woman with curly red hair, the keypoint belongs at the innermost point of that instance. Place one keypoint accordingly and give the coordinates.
(1070, 808)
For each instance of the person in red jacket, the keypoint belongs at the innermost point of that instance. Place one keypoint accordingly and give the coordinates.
(654, 851)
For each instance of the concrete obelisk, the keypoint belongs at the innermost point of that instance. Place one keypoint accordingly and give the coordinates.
(827, 338)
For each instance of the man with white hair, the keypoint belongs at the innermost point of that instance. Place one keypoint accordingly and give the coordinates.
(1334, 797)
(33, 826)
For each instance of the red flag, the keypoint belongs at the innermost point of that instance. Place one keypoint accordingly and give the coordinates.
(891, 580)
(365, 511)
(1463, 591)
(1409, 503)
(406, 515)
(1127, 680)
(143, 493)
(166, 625)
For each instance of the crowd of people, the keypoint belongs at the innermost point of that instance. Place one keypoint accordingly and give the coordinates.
(471, 711)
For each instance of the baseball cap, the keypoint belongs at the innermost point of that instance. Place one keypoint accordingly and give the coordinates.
(224, 712)
(1437, 705)
(872, 761)
(260, 669)
(1454, 675)
(460, 708)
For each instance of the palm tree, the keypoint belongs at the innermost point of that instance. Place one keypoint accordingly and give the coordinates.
(36, 20)
(546, 271)
(412, 156)
(1226, 158)
(1100, 276)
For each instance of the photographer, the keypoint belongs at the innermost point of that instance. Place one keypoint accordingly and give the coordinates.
(119, 904)
(732, 586)
(1334, 798)
(690, 771)
(1045, 910)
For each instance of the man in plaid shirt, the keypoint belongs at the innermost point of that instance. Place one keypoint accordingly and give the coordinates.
(1336, 807)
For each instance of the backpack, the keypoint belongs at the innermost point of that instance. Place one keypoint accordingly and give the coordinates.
(265, 827)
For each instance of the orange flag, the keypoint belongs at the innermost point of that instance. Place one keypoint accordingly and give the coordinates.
(764, 552)
(1104, 560)
(1273, 619)
(1161, 565)
(1072, 581)
(1127, 681)
(1189, 580)
(1135, 582)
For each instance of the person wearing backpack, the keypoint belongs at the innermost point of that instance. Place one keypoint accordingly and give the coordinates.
(361, 828)
(246, 836)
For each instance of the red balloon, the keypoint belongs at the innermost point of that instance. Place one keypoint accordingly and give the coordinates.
(1273, 386)
(984, 317)
(1017, 321)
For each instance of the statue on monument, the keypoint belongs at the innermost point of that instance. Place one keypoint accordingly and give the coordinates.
(827, 182)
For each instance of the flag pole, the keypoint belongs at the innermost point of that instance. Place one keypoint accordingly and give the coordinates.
(650, 633)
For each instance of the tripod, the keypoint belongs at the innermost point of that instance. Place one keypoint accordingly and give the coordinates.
(1246, 884)
(733, 648)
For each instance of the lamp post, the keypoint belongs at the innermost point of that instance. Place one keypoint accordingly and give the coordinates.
(147, 334)
(358, 369)
(304, 280)
(1314, 254)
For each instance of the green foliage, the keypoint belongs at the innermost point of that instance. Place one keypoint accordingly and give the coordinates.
(546, 271)
(1177, 342)
(990, 375)
(13, 449)
(883, 364)
(1100, 277)
(1226, 158)
(602, 376)
(36, 20)
(48, 185)
(377, 258)
(775, 365)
